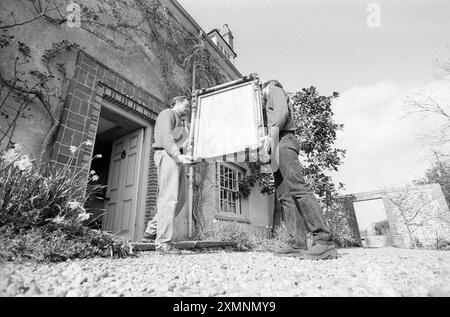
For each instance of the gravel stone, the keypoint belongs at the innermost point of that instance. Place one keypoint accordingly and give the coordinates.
(383, 272)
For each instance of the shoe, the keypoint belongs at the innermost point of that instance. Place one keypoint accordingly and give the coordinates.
(149, 237)
(167, 248)
(289, 251)
(320, 251)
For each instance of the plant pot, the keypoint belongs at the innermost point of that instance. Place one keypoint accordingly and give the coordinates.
(376, 241)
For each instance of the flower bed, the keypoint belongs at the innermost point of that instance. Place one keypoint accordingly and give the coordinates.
(42, 216)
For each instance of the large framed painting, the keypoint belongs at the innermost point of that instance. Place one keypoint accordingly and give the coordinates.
(228, 122)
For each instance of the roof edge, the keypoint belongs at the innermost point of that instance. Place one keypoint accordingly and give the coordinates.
(199, 28)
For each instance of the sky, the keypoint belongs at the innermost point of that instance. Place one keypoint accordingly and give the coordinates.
(332, 46)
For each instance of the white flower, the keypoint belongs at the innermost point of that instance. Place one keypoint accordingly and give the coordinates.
(92, 172)
(24, 163)
(74, 205)
(10, 155)
(58, 220)
(73, 149)
(88, 143)
(83, 216)
(99, 156)
(95, 178)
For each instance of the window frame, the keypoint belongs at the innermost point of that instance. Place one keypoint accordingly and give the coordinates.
(240, 174)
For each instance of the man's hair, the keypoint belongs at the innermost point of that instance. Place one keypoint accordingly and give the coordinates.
(178, 99)
(272, 82)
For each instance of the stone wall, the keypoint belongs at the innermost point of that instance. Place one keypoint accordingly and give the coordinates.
(341, 218)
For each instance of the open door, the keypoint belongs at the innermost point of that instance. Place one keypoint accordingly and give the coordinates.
(123, 185)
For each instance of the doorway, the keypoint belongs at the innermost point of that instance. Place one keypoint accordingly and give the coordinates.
(120, 164)
(373, 223)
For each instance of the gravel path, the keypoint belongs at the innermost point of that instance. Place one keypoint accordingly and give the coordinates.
(358, 272)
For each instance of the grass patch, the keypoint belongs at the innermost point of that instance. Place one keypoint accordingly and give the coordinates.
(246, 237)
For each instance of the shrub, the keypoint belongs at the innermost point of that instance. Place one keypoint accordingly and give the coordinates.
(33, 194)
(245, 236)
(443, 244)
(56, 243)
(381, 228)
(228, 231)
(272, 241)
(345, 241)
(41, 211)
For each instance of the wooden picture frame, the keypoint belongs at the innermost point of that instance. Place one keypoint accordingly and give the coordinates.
(228, 122)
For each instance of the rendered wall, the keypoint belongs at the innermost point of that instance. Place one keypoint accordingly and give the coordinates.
(132, 72)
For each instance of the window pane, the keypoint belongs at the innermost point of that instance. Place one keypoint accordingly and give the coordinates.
(229, 189)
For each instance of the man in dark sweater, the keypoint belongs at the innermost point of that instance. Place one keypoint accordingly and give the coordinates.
(170, 143)
(296, 198)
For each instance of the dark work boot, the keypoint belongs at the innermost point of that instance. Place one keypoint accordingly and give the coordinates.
(320, 251)
(149, 237)
(289, 251)
(167, 248)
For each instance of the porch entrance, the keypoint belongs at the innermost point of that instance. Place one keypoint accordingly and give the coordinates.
(123, 141)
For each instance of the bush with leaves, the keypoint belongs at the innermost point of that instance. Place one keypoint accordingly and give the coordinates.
(245, 236)
(381, 228)
(316, 131)
(41, 211)
(228, 231)
(32, 194)
(56, 243)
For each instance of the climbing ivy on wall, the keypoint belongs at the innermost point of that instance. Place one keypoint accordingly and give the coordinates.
(38, 79)
(128, 26)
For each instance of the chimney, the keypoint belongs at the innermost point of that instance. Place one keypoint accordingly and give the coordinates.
(227, 35)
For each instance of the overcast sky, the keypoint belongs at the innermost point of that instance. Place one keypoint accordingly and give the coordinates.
(328, 44)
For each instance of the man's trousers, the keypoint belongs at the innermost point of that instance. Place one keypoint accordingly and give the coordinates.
(172, 192)
(300, 207)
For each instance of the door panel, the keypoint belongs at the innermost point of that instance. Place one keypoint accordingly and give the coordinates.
(131, 171)
(123, 184)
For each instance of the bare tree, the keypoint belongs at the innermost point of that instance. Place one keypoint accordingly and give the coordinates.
(413, 207)
(423, 105)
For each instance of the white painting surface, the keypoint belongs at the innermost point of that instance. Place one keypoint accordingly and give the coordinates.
(226, 122)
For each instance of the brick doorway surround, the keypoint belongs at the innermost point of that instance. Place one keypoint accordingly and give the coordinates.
(92, 83)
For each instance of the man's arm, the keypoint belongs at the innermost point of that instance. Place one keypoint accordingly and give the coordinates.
(185, 146)
(277, 113)
(166, 126)
(277, 108)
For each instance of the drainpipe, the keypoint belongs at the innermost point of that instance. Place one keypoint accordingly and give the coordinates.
(191, 170)
(191, 200)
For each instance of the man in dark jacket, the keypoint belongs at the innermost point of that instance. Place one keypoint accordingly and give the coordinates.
(296, 198)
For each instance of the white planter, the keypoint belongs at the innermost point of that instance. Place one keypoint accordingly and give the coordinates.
(376, 241)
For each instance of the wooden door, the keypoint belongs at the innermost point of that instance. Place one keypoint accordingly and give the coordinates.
(123, 185)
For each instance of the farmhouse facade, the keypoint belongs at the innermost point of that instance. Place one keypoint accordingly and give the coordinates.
(113, 81)
(98, 85)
